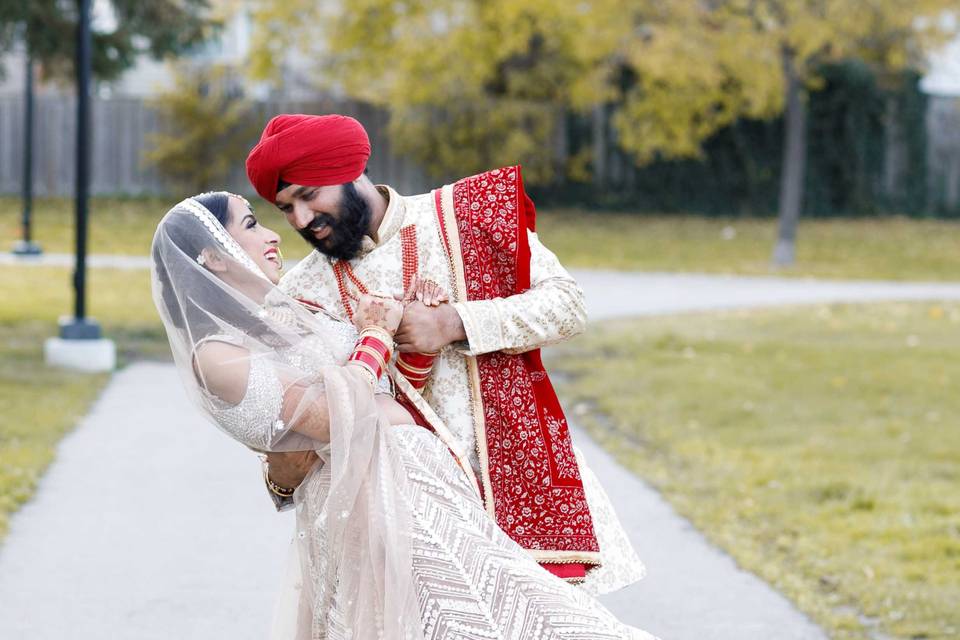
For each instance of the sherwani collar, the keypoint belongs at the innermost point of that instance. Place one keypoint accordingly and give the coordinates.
(391, 223)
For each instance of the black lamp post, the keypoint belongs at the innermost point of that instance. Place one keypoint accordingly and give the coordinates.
(80, 327)
(25, 246)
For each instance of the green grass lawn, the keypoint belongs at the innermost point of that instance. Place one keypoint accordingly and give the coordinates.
(882, 248)
(820, 446)
(39, 404)
(888, 248)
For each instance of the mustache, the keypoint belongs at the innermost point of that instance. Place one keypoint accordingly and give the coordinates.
(320, 221)
(346, 230)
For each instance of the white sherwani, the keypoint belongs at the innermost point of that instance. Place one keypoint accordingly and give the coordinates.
(552, 310)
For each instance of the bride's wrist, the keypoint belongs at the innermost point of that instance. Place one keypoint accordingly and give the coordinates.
(373, 351)
(365, 373)
(376, 331)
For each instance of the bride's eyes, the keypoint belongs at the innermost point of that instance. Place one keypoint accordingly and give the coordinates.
(251, 222)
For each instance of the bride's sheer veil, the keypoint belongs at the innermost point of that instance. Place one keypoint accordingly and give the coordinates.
(207, 290)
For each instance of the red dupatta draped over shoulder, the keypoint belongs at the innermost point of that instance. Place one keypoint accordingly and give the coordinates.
(529, 474)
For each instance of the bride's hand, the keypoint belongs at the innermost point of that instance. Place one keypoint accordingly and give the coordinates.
(378, 312)
(426, 291)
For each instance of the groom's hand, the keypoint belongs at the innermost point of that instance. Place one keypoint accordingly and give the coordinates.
(289, 469)
(426, 329)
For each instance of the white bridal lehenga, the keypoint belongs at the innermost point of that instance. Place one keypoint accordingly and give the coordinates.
(392, 539)
(472, 580)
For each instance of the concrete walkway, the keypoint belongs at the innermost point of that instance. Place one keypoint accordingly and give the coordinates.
(151, 524)
(95, 261)
(612, 294)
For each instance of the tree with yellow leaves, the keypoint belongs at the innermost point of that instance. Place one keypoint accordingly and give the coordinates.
(472, 84)
(758, 58)
(468, 84)
(206, 126)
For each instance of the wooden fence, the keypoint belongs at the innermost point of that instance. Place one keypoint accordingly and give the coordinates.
(943, 153)
(121, 129)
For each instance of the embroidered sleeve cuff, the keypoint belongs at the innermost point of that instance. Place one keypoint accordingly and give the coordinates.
(481, 323)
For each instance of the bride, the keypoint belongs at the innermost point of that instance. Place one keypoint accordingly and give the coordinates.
(391, 533)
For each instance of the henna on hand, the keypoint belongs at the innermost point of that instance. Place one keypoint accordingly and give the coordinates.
(379, 312)
(376, 313)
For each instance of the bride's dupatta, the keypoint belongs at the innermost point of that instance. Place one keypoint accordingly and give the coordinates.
(219, 308)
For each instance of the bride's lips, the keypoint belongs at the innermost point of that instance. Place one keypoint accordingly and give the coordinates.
(272, 254)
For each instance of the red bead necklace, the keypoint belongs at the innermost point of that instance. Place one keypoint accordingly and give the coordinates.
(344, 272)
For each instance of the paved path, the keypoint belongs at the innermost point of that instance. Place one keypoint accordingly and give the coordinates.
(613, 294)
(151, 524)
(95, 261)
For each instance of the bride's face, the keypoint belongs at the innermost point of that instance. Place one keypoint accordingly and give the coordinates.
(257, 241)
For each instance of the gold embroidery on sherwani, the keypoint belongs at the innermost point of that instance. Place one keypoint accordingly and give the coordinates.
(550, 312)
(453, 241)
(447, 390)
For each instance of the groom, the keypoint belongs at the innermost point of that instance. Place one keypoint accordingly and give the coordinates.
(511, 296)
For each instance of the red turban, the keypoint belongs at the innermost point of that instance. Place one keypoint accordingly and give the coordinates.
(313, 151)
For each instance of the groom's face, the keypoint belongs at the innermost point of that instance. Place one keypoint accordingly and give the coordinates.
(333, 219)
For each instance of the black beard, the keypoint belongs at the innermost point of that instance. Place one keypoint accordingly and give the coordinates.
(346, 231)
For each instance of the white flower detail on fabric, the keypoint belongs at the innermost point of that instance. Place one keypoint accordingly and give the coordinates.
(201, 260)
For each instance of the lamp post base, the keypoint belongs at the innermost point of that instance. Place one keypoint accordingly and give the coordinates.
(79, 329)
(24, 248)
(89, 356)
(80, 347)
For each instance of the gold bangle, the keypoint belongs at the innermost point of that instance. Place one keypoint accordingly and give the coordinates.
(274, 488)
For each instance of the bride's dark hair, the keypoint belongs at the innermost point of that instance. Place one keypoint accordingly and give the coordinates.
(217, 203)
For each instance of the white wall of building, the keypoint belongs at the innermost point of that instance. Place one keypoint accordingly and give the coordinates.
(149, 77)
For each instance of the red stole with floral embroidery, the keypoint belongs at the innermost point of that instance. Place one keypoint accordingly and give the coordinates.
(529, 474)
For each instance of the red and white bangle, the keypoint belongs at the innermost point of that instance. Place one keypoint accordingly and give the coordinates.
(416, 367)
(373, 351)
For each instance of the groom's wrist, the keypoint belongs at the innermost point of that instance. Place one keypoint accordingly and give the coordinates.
(275, 487)
(452, 324)
(282, 500)
(283, 471)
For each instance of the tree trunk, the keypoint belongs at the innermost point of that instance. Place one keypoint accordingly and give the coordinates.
(561, 148)
(895, 153)
(601, 149)
(794, 164)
